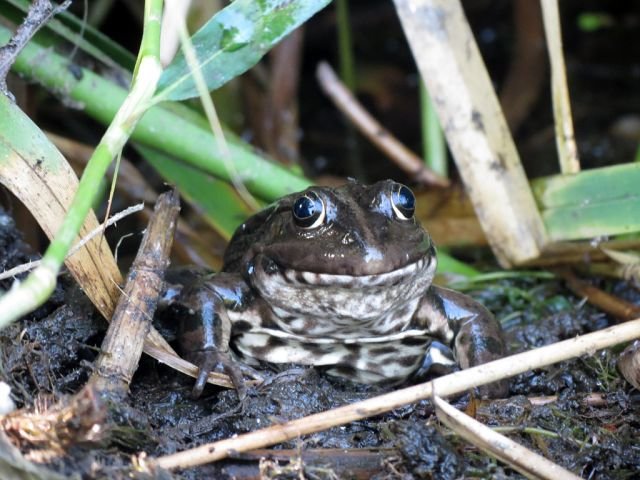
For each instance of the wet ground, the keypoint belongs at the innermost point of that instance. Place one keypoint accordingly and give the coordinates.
(580, 414)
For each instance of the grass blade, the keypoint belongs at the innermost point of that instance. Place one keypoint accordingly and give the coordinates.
(219, 203)
(30, 164)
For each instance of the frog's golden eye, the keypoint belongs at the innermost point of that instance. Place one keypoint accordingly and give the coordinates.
(308, 210)
(403, 202)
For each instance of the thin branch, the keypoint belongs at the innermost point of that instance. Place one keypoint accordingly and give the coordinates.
(25, 267)
(525, 461)
(39, 13)
(447, 385)
(371, 128)
(527, 73)
(606, 302)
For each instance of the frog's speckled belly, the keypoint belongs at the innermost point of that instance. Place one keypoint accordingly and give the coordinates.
(387, 359)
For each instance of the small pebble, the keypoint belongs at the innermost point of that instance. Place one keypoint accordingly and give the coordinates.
(6, 403)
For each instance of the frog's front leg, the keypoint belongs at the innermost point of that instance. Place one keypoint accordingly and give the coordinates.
(205, 329)
(468, 328)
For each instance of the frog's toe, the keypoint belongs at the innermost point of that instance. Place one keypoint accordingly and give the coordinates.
(205, 366)
(250, 372)
(232, 369)
(437, 361)
(209, 360)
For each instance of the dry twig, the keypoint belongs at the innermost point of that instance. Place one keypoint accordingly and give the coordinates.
(271, 100)
(99, 229)
(39, 13)
(371, 128)
(565, 139)
(122, 346)
(358, 463)
(528, 463)
(528, 68)
(606, 302)
(595, 399)
(445, 386)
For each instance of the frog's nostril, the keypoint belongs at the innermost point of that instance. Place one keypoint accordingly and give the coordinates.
(348, 238)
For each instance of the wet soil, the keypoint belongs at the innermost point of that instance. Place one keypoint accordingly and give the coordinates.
(580, 414)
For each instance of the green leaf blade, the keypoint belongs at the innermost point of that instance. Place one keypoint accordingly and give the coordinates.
(218, 202)
(234, 40)
(597, 202)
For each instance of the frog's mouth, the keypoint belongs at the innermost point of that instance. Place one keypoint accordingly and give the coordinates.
(268, 272)
(300, 277)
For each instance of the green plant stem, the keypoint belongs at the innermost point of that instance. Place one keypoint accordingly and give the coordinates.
(162, 127)
(345, 45)
(348, 76)
(451, 265)
(435, 150)
(534, 431)
(146, 76)
(41, 282)
(150, 43)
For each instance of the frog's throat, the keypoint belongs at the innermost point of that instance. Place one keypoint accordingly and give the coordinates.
(343, 306)
(344, 300)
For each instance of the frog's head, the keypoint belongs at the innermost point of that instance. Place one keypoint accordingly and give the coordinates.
(352, 230)
(351, 236)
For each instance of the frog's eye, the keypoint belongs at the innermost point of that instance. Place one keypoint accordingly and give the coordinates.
(308, 211)
(403, 202)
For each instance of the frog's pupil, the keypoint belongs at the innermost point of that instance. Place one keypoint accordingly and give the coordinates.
(406, 199)
(403, 202)
(308, 211)
(304, 208)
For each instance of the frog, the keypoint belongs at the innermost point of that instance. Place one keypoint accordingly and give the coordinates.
(339, 278)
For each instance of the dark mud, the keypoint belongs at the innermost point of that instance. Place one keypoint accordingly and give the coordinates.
(580, 414)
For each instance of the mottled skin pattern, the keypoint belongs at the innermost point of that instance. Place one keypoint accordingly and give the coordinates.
(352, 294)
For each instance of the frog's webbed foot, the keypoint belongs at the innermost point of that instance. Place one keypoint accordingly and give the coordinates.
(205, 333)
(469, 328)
(211, 359)
(438, 360)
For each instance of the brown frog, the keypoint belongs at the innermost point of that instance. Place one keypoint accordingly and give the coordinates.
(339, 278)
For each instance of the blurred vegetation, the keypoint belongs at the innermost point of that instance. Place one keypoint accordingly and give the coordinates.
(282, 134)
